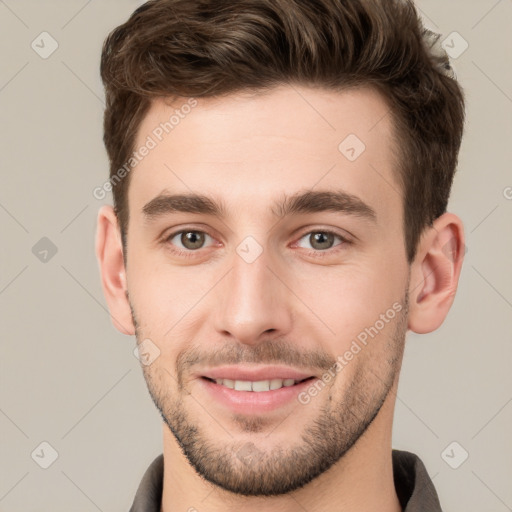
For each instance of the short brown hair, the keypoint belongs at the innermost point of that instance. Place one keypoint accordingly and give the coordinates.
(208, 48)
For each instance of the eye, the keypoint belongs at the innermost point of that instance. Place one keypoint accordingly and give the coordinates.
(186, 242)
(190, 240)
(321, 240)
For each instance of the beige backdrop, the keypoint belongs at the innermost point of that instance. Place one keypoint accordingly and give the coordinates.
(69, 380)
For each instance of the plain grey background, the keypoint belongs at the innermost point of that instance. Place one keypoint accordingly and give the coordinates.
(70, 380)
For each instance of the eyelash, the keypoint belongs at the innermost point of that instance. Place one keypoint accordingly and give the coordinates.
(312, 252)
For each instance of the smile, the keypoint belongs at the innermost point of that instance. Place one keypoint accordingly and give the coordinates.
(257, 386)
(253, 396)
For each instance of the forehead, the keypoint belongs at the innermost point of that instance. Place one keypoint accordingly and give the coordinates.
(253, 148)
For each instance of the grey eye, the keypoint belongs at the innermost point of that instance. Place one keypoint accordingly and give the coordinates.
(190, 240)
(320, 240)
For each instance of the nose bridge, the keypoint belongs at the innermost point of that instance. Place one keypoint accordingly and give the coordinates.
(251, 300)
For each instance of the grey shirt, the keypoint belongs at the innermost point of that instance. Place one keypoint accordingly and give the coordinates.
(414, 487)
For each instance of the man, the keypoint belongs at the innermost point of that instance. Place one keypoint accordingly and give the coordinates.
(281, 171)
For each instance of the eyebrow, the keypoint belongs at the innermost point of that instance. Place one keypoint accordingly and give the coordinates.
(306, 202)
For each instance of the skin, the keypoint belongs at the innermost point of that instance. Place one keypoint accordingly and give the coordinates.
(299, 302)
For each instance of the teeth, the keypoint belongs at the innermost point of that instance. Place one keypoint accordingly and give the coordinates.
(227, 382)
(276, 384)
(260, 385)
(243, 385)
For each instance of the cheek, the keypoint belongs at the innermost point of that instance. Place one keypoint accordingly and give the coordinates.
(349, 299)
(161, 294)
(167, 304)
(359, 313)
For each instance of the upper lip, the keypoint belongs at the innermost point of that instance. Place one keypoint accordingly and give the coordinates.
(253, 374)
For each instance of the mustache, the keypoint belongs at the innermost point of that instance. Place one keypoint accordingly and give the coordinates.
(268, 352)
(272, 351)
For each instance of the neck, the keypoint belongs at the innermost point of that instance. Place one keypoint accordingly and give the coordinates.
(361, 480)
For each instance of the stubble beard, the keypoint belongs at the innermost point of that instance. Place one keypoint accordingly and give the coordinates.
(244, 468)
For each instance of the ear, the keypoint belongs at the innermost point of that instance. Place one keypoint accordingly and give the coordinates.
(109, 252)
(435, 273)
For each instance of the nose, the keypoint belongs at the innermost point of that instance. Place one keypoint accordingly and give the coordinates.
(253, 301)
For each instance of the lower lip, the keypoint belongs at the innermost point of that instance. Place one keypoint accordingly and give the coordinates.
(256, 402)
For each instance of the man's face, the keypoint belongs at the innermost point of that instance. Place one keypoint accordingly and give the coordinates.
(254, 289)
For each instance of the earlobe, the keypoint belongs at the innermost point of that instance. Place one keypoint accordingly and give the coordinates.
(109, 252)
(435, 273)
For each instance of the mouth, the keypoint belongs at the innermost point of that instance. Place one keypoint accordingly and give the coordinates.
(258, 386)
(254, 389)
